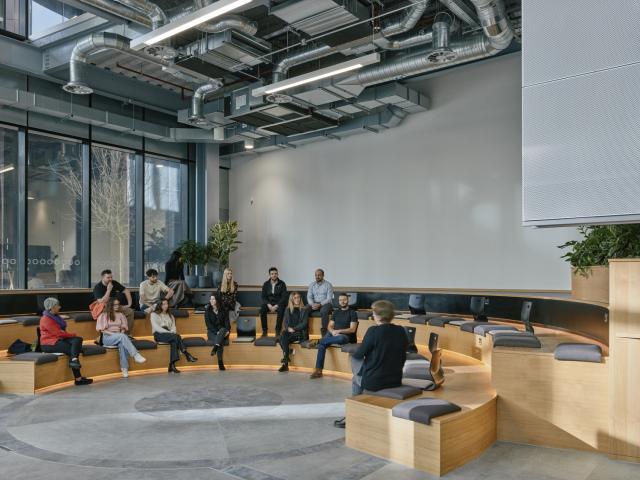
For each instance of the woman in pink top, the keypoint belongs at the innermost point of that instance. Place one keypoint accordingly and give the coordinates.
(112, 323)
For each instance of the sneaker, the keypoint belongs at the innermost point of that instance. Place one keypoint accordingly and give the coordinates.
(139, 358)
(125, 372)
(340, 423)
(83, 381)
(317, 373)
(284, 368)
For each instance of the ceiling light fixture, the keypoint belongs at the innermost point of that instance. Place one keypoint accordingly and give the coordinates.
(7, 169)
(316, 75)
(249, 143)
(188, 21)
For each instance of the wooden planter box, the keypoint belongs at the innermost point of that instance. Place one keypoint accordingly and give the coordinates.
(594, 287)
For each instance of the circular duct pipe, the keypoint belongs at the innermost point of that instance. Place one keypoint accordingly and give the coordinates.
(441, 52)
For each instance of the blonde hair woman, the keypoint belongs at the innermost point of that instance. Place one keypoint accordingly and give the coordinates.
(296, 321)
(228, 294)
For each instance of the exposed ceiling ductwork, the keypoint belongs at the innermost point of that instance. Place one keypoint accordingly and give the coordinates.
(149, 9)
(197, 101)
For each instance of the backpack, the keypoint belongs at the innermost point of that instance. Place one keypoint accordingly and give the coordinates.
(19, 347)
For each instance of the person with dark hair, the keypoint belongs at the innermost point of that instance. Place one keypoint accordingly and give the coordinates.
(274, 299)
(379, 361)
(163, 326)
(296, 327)
(319, 298)
(218, 327)
(174, 279)
(54, 338)
(107, 288)
(112, 325)
(152, 290)
(342, 329)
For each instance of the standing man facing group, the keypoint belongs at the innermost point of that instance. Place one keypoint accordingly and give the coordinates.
(319, 298)
(274, 300)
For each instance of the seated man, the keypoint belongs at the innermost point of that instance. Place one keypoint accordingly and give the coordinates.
(319, 298)
(152, 291)
(342, 329)
(274, 300)
(108, 288)
(383, 352)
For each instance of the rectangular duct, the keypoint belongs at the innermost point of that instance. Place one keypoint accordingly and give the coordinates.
(230, 50)
(318, 16)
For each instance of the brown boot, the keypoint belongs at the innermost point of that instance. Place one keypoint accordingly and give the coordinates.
(317, 373)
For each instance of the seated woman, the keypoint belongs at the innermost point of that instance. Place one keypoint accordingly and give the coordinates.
(228, 294)
(55, 339)
(112, 324)
(295, 327)
(163, 325)
(218, 328)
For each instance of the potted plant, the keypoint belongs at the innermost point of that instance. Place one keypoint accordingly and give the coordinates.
(190, 255)
(589, 257)
(223, 241)
(206, 257)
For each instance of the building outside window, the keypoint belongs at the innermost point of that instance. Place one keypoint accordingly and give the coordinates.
(13, 16)
(47, 14)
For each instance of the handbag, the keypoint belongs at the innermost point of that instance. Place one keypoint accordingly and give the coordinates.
(96, 309)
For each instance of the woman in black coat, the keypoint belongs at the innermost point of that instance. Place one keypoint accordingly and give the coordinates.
(295, 328)
(218, 327)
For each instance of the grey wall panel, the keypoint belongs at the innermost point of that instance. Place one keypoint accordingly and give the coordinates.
(11, 115)
(581, 147)
(179, 150)
(572, 37)
(111, 137)
(58, 125)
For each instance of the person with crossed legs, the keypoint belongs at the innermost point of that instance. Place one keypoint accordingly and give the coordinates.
(296, 323)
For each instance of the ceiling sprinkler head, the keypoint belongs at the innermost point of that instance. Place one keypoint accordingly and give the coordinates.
(278, 98)
(77, 88)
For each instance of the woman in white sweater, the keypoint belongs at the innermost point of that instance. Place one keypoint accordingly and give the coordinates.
(163, 325)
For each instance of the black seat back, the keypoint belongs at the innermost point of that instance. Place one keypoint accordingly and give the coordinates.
(433, 342)
(525, 315)
(246, 326)
(477, 308)
(411, 336)
(436, 370)
(416, 304)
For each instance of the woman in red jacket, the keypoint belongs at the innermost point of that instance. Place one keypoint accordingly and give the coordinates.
(55, 339)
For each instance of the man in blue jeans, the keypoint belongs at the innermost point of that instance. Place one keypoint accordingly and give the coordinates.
(342, 329)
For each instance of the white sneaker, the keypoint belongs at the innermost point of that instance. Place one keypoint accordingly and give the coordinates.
(139, 358)
(125, 372)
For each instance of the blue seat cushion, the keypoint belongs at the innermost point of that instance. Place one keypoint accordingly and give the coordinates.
(578, 352)
(88, 350)
(82, 317)
(424, 409)
(194, 342)
(470, 326)
(28, 320)
(36, 357)
(350, 348)
(513, 339)
(266, 342)
(398, 393)
(142, 344)
(250, 312)
(179, 313)
(486, 328)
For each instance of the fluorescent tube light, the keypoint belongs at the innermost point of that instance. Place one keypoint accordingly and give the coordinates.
(188, 21)
(7, 169)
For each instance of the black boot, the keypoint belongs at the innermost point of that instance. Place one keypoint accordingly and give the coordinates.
(190, 358)
(172, 368)
(214, 350)
(221, 365)
(284, 367)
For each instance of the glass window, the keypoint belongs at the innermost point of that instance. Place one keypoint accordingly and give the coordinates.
(113, 223)
(165, 211)
(13, 16)
(46, 14)
(8, 206)
(54, 207)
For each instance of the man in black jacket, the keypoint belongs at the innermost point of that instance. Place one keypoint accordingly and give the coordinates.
(274, 300)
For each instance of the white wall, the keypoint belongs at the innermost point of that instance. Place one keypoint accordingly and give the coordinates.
(435, 202)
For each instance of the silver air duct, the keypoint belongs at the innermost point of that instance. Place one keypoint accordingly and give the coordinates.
(413, 40)
(155, 14)
(403, 24)
(494, 22)
(197, 102)
(105, 40)
(117, 9)
(235, 22)
(441, 52)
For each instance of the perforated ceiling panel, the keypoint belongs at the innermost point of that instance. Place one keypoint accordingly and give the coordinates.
(581, 149)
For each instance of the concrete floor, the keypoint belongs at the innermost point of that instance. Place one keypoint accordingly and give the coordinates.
(229, 425)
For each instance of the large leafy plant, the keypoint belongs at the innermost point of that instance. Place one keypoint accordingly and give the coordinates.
(223, 241)
(600, 243)
(190, 254)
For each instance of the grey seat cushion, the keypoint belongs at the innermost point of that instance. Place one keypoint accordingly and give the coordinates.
(266, 342)
(363, 315)
(82, 317)
(399, 393)
(418, 371)
(424, 409)
(36, 357)
(7, 321)
(88, 350)
(415, 356)
(179, 313)
(350, 348)
(139, 314)
(28, 320)
(459, 322)
(578, 352)
(142, 344)
(486, 328)
(512, 339)
(194, 342)
(250, 312)
(470, 326)
(418, 319)
(522, 333)
(441, 321)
